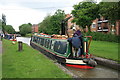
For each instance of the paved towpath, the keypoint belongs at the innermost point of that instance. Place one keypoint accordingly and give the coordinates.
(0, 47)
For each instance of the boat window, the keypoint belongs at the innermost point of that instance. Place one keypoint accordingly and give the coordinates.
(33, 39)
(48, 43)
(42, 41)
(39, 40)
(60, 47)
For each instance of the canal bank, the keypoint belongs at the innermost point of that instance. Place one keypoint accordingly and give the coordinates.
(0, 59)
(108, 63)
(28, 63)
(97, 72)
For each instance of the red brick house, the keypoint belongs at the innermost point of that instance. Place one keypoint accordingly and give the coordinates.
(70, 25)
(100, 25)
(117, 27)
(35, 28)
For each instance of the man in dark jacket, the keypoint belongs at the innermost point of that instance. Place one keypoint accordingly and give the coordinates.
(76, 43)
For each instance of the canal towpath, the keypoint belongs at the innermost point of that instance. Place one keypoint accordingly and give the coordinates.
(0, 59)
(0, 47)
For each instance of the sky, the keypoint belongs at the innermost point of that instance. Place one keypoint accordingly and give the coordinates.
(19, 12)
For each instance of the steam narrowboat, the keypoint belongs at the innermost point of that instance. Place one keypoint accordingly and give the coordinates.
(60, 49)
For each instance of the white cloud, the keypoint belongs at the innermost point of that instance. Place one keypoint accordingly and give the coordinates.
(17, 15)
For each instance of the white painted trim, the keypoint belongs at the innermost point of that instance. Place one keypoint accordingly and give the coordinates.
(74, 61)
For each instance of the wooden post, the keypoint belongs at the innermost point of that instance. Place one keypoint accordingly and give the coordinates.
(19, 45)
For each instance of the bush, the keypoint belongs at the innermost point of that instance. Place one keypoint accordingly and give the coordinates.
(28, 35)
(103, 37)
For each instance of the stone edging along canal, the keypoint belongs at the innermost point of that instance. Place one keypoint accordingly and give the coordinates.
(107, 63)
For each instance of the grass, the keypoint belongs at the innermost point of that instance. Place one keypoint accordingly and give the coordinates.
(28, 64)
(104, 49)
(0, 66)
(28, 35)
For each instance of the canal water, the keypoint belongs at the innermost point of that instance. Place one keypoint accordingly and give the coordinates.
(24, 40)
(98, 72)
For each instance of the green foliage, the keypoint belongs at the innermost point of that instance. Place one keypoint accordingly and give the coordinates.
(44, 24)
(103, 37)
(0, 65)
(0, 24)
(3, 22)
(110, 10)
(28, 63)
(52, 24)
(28, 35)
(9, 29)
(3, 19)
(6, 28)
(25, 29)
(84, 13)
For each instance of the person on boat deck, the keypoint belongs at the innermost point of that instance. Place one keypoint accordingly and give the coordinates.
(76, 42)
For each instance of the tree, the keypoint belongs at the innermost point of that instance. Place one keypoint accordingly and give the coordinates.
(45, 24)
(84, 13)
(110, 10)
(3, 22)
(9, 29)
(56, 21)
(0, 24)
(52, 24)
(6, 28)
(25, 29)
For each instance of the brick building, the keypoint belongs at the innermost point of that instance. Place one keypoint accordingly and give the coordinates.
(100, 25)
(117, 27)
(70, 25)
(97, 25)
(35, 28)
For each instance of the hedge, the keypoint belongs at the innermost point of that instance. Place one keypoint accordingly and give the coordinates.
(103, 37)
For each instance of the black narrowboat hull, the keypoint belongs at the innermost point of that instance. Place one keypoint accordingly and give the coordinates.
(77, 63)
(47, 53)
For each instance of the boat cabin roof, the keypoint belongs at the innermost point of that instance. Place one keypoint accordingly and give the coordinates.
(54, 36)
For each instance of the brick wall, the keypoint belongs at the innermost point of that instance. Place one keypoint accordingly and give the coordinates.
(35, 28)
(118, 27)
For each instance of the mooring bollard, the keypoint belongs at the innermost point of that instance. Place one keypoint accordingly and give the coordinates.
(19, 45)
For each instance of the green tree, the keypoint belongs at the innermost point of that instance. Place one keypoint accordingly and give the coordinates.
(110, 10)
(84, 13)
(45, 24)
(25, 29)
(52, 24)
(0, 24)
(3, 22)
(9, 29)
(56, 22)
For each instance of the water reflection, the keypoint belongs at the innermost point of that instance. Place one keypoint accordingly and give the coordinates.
(97, 72)
(24, 40)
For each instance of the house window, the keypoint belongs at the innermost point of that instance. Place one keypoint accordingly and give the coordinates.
(93, 25)
(99, 25)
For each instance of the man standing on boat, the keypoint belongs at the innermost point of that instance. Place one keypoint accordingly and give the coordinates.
(76, 42)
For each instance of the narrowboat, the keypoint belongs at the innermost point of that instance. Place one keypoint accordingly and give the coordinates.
(11, 37)
(58, 48)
